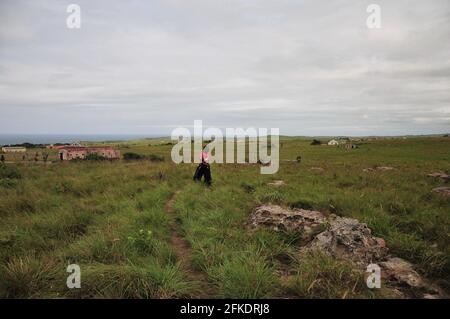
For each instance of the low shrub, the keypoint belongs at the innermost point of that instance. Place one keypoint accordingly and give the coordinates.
(135, 156)
(8, 171)
(132, 156)
(95, 157)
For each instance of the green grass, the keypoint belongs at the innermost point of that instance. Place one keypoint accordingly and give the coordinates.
(320, 276)
(109, 218)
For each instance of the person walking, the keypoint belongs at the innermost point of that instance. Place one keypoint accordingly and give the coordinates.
(203, 169)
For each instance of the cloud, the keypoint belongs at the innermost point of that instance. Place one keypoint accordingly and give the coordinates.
(303, 66)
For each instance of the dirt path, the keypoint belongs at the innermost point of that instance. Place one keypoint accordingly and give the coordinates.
(183, 253)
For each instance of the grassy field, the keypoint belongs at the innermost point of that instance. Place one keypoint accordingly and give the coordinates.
(117, 220)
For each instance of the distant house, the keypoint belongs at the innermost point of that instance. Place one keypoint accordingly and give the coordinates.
(80, 152)
(333, 143)
(13, 149)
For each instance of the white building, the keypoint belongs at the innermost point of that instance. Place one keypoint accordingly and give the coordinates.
(333, 143)
(13, 149)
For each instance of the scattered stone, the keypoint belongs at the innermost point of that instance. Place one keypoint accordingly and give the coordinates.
(402, 274)
(401, 271)
(445, 177)
(277, 183)
(444, 191)
(274, 217)
(384, 168)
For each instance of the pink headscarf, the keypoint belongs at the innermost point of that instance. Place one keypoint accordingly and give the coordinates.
(204, 157)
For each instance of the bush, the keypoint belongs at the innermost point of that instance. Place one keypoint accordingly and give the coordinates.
(248, 187)
(8, 183)
(95, 157)
(316, 142)
(11, 172)
(134, 156)
(24, 277)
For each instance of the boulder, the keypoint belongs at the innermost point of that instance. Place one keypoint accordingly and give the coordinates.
(274, 217)
(384, 168)
(277, 183)
(401, 271)
(347, 238)
(443, 176)
(343, 238)
(444, 191)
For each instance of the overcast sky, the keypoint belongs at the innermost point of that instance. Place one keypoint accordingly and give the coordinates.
(145, 67)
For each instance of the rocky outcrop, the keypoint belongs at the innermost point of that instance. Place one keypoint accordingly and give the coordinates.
(444, 191)
(441, 175)
(349, 239)
(305, 222)
(397, 269)
(343, 238)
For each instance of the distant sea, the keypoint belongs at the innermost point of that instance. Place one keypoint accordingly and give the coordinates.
(6, 139)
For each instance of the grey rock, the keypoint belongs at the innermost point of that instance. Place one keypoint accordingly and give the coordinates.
(347, 238)
(274, 217)
(444, 191)
(398, 269)
(441, 175)
(343, 238)
(277, 183)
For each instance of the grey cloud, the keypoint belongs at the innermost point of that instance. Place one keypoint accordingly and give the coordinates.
(307, 67)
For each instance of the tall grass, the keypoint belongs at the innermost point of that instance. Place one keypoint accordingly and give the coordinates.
(109, 218)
